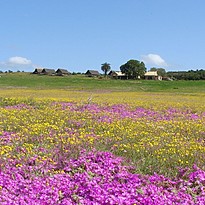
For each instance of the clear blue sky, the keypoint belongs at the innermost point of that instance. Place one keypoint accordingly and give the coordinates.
(82, 34)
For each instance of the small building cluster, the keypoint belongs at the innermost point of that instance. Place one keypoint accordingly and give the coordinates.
(149, 75)
(46, 71)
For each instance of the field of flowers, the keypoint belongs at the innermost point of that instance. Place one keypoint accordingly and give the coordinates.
(102, 148)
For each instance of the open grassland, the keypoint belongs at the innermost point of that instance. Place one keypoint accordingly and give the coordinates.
(63, 145)
(81, 82)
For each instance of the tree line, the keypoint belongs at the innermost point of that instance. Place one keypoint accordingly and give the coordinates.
(134, 69)
(187, 75)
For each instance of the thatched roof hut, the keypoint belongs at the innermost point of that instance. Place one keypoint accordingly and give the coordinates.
(117, 74)
(38, 71)
(62, 72)
(91, 73)
(47, 71)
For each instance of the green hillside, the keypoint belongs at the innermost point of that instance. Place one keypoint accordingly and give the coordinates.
(81, 82)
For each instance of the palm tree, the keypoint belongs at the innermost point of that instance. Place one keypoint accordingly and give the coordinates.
(105, 67)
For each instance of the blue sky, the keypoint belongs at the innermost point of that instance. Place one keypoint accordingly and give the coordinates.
(82, 34)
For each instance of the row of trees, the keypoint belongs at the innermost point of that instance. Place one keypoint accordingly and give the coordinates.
(187, 75)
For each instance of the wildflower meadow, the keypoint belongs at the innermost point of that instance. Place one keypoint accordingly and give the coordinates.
(102, 148)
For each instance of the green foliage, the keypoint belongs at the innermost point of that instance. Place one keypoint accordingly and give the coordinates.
(189, 75)
(105, 67)
(160, 71)
(133, 69)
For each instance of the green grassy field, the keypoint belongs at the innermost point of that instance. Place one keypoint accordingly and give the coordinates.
(80, 82)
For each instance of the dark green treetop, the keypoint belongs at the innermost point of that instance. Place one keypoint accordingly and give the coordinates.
(105, 67)
(133, 69)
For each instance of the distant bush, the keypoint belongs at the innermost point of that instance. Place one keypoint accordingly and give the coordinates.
(187, 75)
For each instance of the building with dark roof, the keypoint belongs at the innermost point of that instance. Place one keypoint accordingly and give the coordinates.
(91, 73)
(62, 72)
(47, 71)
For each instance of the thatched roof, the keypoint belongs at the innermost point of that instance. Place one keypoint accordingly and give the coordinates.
(92, 72)
(48, 71)
(62, 71)
(38, 70)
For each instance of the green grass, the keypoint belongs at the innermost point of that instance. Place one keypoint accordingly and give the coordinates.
(81, 82)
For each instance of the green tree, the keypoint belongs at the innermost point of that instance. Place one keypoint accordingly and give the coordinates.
(133, 69)
(153, 69)
(105, 67)
(160, 71)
